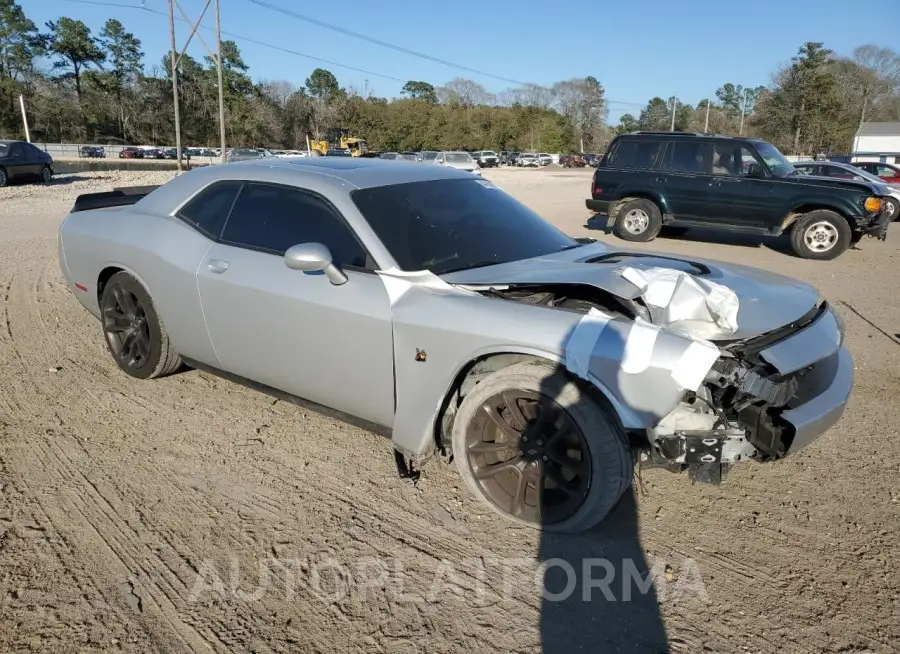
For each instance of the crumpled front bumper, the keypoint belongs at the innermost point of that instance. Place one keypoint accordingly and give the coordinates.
(816, 355)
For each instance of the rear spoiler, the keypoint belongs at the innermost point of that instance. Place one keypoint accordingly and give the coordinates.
(118, 197)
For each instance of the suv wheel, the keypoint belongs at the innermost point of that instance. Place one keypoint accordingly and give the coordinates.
(637, 220)
(892, 208)
(821, 234)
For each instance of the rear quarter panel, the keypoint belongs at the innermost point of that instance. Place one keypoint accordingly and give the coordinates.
(161, 252)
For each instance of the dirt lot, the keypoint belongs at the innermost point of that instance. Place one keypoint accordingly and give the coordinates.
(192, 514)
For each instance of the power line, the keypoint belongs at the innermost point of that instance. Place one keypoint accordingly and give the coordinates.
(248, 39)
(384, 44)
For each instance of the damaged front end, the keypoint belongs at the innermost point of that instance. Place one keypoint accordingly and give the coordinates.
(695, 397)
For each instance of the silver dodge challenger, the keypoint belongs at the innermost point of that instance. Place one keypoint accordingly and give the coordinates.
(430, 304)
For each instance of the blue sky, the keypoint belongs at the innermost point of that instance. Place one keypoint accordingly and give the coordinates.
(636, 50)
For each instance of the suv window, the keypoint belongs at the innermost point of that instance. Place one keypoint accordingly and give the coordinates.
(274, 218)
(688, 157)
(731, 159)
(208, 209)
(633, 153)
(885, 171)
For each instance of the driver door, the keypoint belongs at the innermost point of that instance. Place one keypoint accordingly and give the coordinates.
(296, 331)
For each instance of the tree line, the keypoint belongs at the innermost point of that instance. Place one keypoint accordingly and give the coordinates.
(85, 87)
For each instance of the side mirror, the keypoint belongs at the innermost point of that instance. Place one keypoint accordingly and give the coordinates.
(755, 171)
(314, 257)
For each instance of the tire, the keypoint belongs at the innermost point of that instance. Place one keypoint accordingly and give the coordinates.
(821, 235)
(46, 174)
(637, 220)
(600, 486)
(892, 208)
(4, 180)
(154, 355)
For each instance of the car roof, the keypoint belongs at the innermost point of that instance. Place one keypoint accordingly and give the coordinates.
(319, 174)
(676, 134)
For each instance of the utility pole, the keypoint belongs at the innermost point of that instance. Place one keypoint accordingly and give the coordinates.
(173, 59)
(221, 84)
(743, 111)
(706, 125)
(24, 117)
(176, 60)
(674, 104)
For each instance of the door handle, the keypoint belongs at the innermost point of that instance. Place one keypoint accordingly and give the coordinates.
(217, 265)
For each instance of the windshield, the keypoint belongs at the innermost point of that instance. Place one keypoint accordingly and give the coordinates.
(455, 224)
(776, 161)
(458, 157)
(429, 156)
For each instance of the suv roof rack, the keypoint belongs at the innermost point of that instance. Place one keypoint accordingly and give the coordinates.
(675, 133)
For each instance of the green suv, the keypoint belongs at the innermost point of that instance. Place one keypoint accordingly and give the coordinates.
(647, 180)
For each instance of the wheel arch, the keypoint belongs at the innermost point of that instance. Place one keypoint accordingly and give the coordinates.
(478, 367)
(655, 198)
(800, 209)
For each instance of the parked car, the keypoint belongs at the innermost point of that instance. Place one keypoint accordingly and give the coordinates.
(388, 155)
(888, 172)
(242, 154)
(429, 303)
(512, 159)
(407, 156)
(427, 156)
(338, 153)
(650, 179)
(458, 160)
(486, 158)
(572, 161)
(528, 160)
(503, 159)
(91, 152)
(544, 159)
(130, 152)
(832, 169)
(591, 159)
(21, 162)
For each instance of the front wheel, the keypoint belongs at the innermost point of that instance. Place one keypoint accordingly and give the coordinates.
(46, 174)
(4, 180)
(891, 208)
(539, 450)
(135, 335)
(821, 235)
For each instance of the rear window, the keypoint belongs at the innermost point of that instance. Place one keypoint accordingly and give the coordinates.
(633, 153)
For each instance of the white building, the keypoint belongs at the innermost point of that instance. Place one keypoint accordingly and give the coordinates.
(877, 142)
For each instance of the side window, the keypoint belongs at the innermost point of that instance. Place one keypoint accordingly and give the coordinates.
(633, 153)
(32, 152)
(208, 209)
(805, 170)
(884, 171)
(688, 157)
(15, 150)
(274, 218)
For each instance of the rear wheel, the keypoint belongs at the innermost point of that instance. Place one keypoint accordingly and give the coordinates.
(637, 220)
(135, 336)
(538, 450)
(4, 180)
(821, 235)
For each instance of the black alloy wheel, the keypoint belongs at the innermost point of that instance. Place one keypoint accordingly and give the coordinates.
(126, 327)
(529, 457)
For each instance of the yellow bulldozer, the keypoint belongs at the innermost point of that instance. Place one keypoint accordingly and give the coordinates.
(356, 146)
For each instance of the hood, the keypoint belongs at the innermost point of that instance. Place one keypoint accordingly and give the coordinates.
(461, 165)
(812, 180)
(767, 301)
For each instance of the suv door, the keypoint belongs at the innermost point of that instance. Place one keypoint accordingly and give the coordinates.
(743, 200)
(297, 331)
(684, 179)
